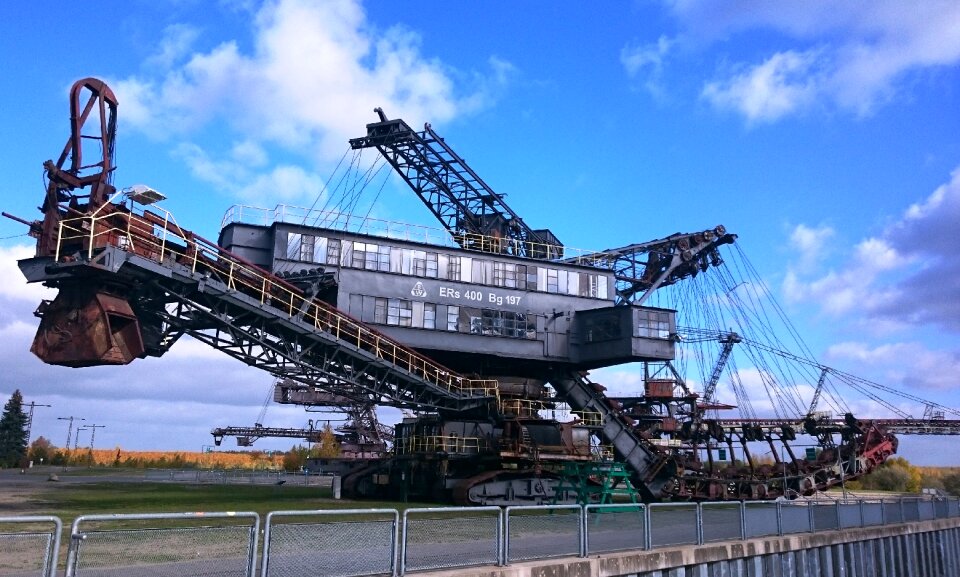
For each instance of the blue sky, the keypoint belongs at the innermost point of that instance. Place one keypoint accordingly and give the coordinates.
(823, 134)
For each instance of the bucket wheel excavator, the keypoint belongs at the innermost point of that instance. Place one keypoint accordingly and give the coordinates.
(478, 339)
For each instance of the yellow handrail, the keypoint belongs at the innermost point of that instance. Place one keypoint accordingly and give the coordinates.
(243, 277)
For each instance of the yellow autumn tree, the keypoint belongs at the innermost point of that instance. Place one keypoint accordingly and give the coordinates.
(327, 447)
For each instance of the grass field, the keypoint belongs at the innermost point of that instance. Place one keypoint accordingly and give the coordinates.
(122, 491)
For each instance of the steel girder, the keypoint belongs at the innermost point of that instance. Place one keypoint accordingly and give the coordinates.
(454, 193)
(265, 337)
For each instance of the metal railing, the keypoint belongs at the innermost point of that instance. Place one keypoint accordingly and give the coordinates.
(26, 548)
(355, 542)
(158, 238)
(441, 443)
(334, 543)
(537, 532)
(403, 231)
(447, 537)
(186, 542)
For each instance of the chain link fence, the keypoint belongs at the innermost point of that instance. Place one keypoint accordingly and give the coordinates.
(761, 519)
(872, 513)
(795, 517)
(333, 543)
(157, 545)
(445, 537)
(721, 521)
(29, 545)
(361, 542)
(615, 528)
(538, 532)
(674, 524)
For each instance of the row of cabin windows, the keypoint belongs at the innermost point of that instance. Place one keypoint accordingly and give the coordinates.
(385, 258)
(472, 320)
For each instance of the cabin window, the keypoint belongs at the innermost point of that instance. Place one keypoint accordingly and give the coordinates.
(453, 268)
(531, 278)
(306, 248)
(293, 245)
(505, 274)
(429, 316)
(383, 258)
(653, 325)
(432, 265)
(333, 251)
(453, 317)
(418, 259)
(399, 312)
(552, 280)
(380, 311)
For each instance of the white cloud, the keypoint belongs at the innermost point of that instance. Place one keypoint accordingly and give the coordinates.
(178, 40)
(908, 274)
(853, 286)
(315, 74)
(17, 288)
(781, 85)
(810, 243)
(236, 175)
(637, 59)
(854, 55)
(906, 365)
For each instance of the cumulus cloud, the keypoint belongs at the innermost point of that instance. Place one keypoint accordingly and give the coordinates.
(909, 365)
(854, 55)
(781, 85)
(16, 287)
(314, 75)
(909, 274)
(854, 286)
(245, 174)
(810, 243)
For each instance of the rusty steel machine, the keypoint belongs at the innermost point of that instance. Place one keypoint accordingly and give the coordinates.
(478, 336)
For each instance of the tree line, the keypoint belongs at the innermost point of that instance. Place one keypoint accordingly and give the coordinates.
(896, 474)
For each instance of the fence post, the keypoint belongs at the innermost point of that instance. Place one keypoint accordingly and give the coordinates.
(743, 520)
(647, 529)
(403, 547)
(780, 518)
(584, 546)
(699, 524)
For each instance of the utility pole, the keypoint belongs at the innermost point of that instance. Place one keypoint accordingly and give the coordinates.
(69, 429)
(93, 432)
(32, 406)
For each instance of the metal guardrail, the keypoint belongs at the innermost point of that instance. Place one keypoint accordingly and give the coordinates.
(537, 532)
(333, 543)
(183, 543)
(29, 551)
(447, 537)
(355, 542)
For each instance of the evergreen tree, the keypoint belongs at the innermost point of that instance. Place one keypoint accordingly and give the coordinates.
(13, 432)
